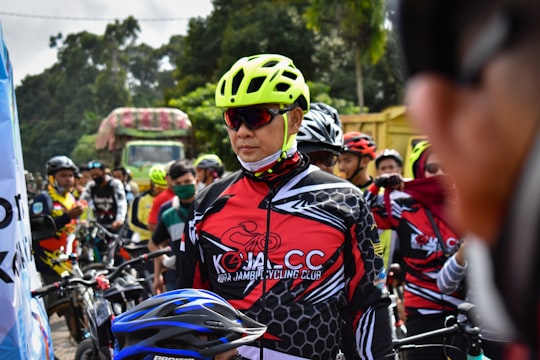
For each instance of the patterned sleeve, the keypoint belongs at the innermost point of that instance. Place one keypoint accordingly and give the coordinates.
(187, 254)
(451, 276)
(369, 306)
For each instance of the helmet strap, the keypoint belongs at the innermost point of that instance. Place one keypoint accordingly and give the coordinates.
(59, 189)
(359, 169)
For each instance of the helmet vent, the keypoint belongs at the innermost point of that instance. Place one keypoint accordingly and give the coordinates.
(237, 80)
(255, 84)
(282, 87)
(270, 63)
(290, 75)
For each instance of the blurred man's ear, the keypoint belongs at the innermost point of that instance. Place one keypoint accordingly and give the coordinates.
(295, 117)
(430, 101)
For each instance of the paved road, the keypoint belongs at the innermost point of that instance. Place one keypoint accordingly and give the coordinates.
(64, 349)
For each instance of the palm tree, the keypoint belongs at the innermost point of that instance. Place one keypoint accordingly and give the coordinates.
(358, 23)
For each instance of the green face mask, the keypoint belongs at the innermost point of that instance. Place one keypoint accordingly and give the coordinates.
(184, 192)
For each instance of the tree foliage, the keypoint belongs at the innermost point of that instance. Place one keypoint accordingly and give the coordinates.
(61, 108)
(359, 24)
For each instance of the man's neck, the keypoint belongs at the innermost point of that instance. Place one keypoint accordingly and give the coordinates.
(362, 180)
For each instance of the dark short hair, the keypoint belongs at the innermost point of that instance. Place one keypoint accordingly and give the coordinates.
(455, 38)
(180, 168)
(122, 169)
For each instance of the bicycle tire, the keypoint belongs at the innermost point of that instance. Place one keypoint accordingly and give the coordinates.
(86, 351)
(72, 317)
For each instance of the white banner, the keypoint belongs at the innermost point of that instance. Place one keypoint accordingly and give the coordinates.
(24, 327)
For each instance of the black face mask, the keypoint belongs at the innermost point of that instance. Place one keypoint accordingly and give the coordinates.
(99, 180)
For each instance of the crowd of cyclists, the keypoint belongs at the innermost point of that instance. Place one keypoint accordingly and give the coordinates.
(291, 251)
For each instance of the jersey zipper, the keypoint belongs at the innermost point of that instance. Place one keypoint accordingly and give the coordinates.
(269, 198)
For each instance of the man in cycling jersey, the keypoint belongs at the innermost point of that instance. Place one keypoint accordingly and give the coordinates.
(58, 202)
(358, 151)
(286, 243)
(474, 84)
(107, 196)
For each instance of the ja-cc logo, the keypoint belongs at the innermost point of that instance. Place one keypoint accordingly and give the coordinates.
(246, 235)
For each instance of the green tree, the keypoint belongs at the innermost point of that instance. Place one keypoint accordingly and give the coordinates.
(208, 126)
(89, 79)
(359, 24)
(238, 28)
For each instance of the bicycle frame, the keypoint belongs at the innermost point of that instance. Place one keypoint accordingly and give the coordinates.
(98, 308)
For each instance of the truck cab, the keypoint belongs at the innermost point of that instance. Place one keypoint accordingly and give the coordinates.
(137, 138)
(140, 155)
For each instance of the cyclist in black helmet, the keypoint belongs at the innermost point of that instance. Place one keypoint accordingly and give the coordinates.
(58, 202)
(320, 136)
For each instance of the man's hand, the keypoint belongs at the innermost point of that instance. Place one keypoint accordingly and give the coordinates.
(389, 181)
(75, 211)
(158, 286)
(117, 225)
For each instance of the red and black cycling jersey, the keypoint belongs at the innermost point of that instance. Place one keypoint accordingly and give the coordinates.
(423, 252)
(297, 253)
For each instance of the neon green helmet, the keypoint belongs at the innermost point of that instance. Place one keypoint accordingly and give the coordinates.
(262, 79)
(157, 174)
(416, 153)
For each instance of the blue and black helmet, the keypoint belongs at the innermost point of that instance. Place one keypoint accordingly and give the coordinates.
(185, 323)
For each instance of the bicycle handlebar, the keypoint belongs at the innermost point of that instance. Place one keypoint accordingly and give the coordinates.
(413, 339)
(107, 232)
(69, 281)
(460, 327)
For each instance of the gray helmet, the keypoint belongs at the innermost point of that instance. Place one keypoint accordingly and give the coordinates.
(208, 161)
(60, 162)
(320, 130)
(388, 154)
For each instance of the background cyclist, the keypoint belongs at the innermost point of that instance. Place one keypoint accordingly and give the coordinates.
(320, 136)
(358, 151)
(209, 169)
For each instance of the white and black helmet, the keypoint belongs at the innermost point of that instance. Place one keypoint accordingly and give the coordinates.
(320, 130)
(388, 154)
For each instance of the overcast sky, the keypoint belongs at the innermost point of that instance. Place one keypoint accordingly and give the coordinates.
(28, 24)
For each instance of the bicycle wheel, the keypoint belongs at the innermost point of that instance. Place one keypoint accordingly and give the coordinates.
(86, 351)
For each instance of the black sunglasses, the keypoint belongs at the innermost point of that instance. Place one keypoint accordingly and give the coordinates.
(431, 32)
(253, 117)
